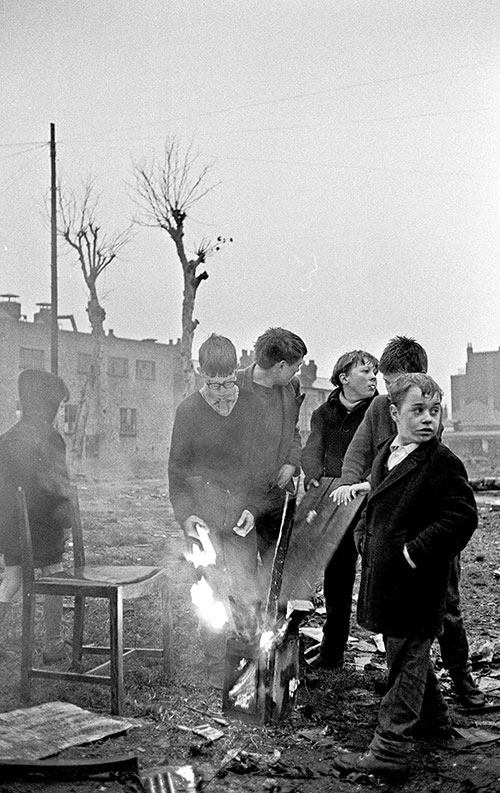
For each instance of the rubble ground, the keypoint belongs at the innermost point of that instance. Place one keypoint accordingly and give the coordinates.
(132, 522)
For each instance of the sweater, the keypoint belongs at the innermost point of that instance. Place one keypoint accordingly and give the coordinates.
(332, 429)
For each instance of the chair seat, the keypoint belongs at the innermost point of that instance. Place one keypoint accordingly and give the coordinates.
(113, 583)
(116, 575)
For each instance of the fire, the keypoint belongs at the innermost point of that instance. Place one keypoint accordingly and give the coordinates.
(202, 557)
(210, 610)
(266, 641)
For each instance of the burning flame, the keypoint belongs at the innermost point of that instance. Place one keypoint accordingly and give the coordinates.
(202, 557)
(266, 641)
(210, 610)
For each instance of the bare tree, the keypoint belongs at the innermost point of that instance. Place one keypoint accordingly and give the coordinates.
(96, 251)
(166, 190)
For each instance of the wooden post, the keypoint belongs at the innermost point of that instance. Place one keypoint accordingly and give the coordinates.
(54, 353)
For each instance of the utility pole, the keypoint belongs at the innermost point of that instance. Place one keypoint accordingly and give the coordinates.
(54, 354)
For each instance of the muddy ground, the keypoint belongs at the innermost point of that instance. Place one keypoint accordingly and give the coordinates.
(132, 522)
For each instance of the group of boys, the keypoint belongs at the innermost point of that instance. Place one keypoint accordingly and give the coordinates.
(420, 513)
(235, 451)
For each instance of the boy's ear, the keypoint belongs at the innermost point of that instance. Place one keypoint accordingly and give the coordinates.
(394, 411)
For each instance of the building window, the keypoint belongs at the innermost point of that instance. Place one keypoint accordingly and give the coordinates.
(128, 421)
(91, 446)
(118, 367)
(84, 362)
(30, 358)
(145, 370)
(70, 412)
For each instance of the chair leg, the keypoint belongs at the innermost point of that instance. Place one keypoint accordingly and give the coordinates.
(28, 635)
(78, 627)
(166, 627)
(116, 651)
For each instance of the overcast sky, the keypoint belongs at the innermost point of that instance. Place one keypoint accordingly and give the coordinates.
(356, 144)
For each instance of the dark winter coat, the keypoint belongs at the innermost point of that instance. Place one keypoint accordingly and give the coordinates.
(426, 503)
(290, 447)
(32, 456)
(332, 429)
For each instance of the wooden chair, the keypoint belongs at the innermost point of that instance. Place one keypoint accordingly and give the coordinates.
(112, 583)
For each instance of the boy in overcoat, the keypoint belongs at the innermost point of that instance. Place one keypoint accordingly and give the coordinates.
(32, 456)
(420, 514)
(403, 354)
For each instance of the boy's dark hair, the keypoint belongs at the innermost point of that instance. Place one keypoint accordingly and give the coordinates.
(217, 356)
(278, 344)
(401, 384)
(403, 354)
(349, 359)
(41, 391)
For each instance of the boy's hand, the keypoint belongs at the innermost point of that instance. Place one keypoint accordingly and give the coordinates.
(360, 489)
(190, 529)
(285, 474)
(346, 493)
(245, 524)
(312, 483)
(341, 495)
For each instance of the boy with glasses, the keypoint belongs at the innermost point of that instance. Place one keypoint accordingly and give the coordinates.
(209, 487)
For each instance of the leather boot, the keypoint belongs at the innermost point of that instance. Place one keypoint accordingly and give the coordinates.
(469, 694)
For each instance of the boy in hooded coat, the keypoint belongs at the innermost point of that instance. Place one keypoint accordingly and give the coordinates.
(32, 456)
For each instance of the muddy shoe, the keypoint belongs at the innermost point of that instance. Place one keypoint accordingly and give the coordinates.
(469, 694)
(324, 661)
(367, 763)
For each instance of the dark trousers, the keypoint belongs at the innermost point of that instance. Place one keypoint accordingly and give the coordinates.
(412, 692)
(453, 640)
(338, 585)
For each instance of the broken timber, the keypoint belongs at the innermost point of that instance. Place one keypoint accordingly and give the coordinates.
(318, 529)
(69, 769)
(260, 683)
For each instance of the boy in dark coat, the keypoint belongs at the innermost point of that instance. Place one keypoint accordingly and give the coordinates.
(333, 425)
(32, 456)
(403, 354)
(276, 454)
(421, 512)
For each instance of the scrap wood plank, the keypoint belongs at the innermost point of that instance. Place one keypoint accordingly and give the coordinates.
(318, 528)
(69, 769)
(44, 730)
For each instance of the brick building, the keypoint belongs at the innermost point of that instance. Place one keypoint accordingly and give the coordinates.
(474, 430)
(143, 383)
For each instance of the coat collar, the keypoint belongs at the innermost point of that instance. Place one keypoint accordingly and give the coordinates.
(406, 467)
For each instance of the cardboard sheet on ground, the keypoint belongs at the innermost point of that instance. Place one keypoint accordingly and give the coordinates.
(318, 528)
(43, 730)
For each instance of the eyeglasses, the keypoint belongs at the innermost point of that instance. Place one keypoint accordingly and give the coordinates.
(226, 384)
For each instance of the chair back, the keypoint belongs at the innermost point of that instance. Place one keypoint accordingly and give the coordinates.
(25, 535)
(25, 540)
(76, 527)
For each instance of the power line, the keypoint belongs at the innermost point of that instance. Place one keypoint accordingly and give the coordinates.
(347, 122)
(24, 151)
(305, 95)
(20, 171)
(365, 169)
